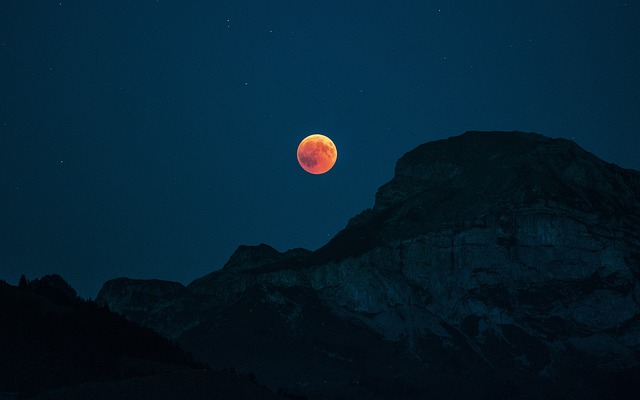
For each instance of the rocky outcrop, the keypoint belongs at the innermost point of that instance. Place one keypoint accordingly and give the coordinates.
(506, 250)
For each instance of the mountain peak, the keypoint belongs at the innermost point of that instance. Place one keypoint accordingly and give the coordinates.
(502, 167)
(467, 177)
(251, 256)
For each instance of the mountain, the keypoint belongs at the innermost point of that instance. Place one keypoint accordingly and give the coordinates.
(493, 265)
(54, 345)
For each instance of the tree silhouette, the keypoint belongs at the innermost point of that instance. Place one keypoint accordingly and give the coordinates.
(23, 284)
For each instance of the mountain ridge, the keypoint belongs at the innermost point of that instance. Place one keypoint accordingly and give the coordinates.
(508, 251)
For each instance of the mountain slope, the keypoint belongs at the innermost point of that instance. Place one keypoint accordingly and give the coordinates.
(56, 346)
(505, 260)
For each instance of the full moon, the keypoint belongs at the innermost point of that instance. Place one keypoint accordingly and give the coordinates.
(317, 154)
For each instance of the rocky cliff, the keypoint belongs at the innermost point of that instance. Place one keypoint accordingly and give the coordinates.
(506, 260)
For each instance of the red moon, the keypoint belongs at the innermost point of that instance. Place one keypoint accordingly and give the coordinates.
(317, 154)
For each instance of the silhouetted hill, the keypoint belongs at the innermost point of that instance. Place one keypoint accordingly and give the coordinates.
(495, 265)
(49, 338)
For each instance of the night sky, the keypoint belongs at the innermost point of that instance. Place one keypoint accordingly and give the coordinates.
(150, 138)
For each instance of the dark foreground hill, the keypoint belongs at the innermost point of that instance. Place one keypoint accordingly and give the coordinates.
(494, 265)
(56, 346)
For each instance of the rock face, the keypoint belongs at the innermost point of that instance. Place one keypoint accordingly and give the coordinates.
(508, 260)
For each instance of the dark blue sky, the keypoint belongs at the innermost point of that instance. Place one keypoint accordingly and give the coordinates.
(150, 138)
